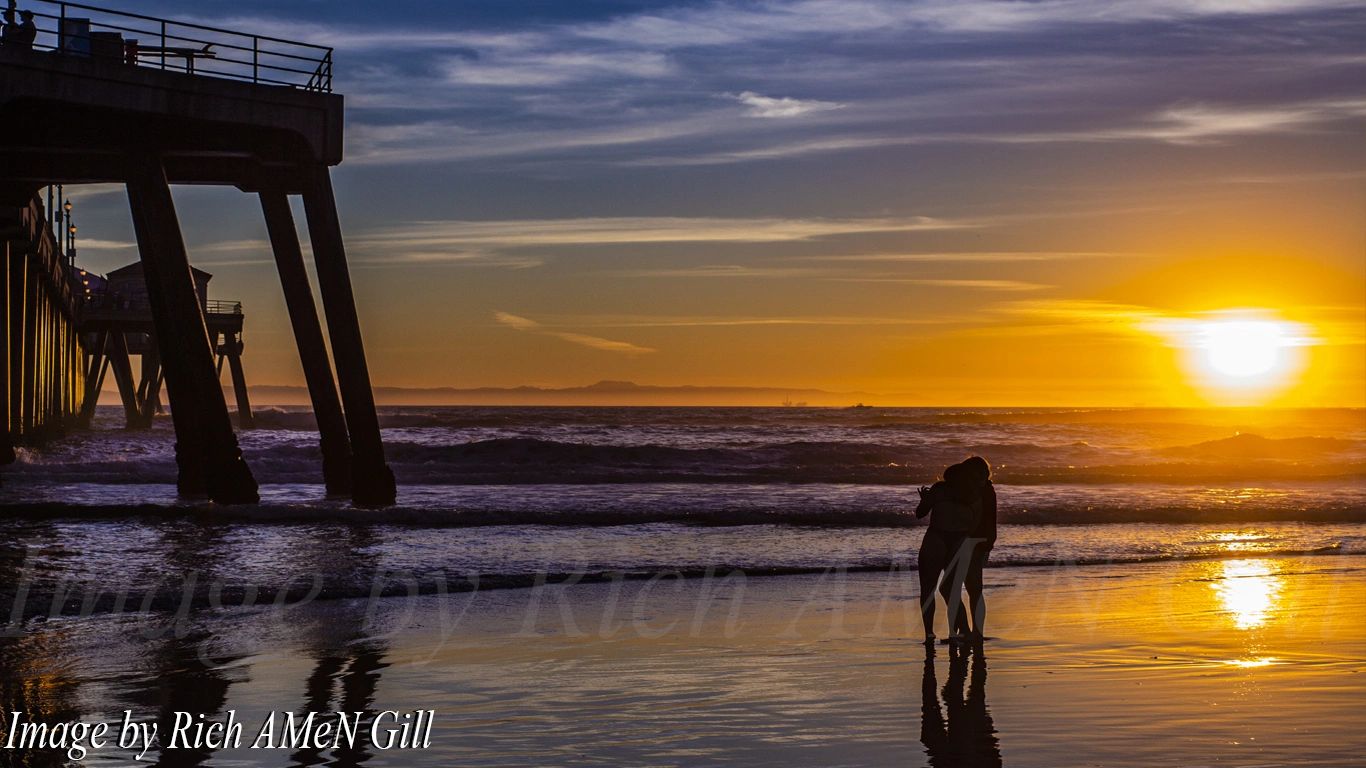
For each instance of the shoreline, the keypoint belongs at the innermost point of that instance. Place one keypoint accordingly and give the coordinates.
(340, 511)
(66, 599)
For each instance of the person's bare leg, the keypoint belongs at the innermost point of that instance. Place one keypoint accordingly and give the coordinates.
(929, 564)
(928, 581)
(960, 621)
(956, 572)
(976, 597)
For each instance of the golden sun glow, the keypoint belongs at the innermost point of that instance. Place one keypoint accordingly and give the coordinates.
(1238, 356)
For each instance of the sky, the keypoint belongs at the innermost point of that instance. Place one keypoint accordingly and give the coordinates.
(1054, 202)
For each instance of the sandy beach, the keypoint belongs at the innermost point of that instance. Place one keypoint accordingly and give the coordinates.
(1247, 662)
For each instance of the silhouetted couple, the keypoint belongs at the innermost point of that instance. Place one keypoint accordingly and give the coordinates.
(961, 533)
(18, 33)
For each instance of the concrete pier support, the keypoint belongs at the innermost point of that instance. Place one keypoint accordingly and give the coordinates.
(30, 291)
(122, 365)
(308, 335)
(373, 481)
(209, 459)
(7, 374)
(149, 388)
(239, 386)
(94, 379)
(42, 354)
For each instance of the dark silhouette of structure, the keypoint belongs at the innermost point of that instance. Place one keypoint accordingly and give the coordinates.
(115, 318)
(258, 115)
(40, 382)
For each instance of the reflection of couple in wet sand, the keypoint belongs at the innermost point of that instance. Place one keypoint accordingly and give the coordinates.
(966, 737)
(962, 530)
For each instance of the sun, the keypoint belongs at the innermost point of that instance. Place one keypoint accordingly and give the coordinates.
(1244, 349)
(1238, 356)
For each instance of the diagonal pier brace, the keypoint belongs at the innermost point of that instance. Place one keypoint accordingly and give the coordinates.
(308, 335)
(373, 481)
(207, 454)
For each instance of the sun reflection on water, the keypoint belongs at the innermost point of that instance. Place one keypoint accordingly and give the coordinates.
(1260, 661)
(1248, 591)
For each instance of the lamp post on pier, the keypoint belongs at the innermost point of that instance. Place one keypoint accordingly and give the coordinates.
(70, 235)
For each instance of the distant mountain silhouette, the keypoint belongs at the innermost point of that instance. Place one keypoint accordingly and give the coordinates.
(601, 393)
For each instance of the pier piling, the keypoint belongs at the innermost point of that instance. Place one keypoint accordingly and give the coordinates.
(308, 337)
(373, 481)
(207, 455)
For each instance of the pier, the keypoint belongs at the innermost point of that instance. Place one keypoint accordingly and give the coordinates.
(108, 97)
(115, 314)
(41, 386)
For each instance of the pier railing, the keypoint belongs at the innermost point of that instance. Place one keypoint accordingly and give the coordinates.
(76, 29)
(218, 307)
(102, 303)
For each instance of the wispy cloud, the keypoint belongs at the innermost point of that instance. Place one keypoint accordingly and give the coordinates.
(1182, 124)
(96, 244)
(234, 246)
(524, 233)
(729, 23)
(770, 107)
(722, 23)
(742, 321)
(527, 325)
(761, 271)
(966, 256)
(1194, 123)
(1009, 286)
(543, 69)
(639, 88)
(726, 271)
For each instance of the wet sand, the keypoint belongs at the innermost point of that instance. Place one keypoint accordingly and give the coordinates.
(1223, 662)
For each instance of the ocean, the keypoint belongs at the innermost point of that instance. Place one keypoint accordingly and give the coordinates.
(509, 495)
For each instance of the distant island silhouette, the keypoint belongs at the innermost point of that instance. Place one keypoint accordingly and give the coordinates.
(601, 393)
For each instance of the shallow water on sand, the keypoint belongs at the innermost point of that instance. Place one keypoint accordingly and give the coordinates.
(70, 566)
(1253, 661)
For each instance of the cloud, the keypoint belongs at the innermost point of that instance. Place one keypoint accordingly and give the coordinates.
(527, 325)
(965, 256)
(1196, 122)
(637, 88)
(96, 244)
(731, 23)
(521, 233)
(1082, 311)
(723, 271)
(543, 69)
(1182, 124)
(236, 246)
(769, 107)
(1195, 332)
(723, 321)
(515, 321)
(721, 23)
(973, 284)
